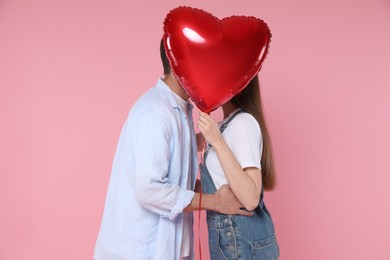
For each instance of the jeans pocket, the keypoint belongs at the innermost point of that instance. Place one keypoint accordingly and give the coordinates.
(227, 243)
(265, 249)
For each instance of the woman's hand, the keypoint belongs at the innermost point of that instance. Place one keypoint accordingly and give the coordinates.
(210, 130)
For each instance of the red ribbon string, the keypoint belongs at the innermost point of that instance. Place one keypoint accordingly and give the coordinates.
(200, 202)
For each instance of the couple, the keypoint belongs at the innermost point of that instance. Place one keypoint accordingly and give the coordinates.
(153, 188)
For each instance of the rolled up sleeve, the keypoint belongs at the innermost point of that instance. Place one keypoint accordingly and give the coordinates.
(184, 200)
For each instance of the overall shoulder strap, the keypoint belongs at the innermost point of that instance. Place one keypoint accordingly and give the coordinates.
(224, 125)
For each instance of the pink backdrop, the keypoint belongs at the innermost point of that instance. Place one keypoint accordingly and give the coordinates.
(71, 70)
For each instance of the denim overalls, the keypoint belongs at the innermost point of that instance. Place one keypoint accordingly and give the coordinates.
(236, 236)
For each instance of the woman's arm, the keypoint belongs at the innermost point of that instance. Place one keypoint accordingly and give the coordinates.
(246, 183)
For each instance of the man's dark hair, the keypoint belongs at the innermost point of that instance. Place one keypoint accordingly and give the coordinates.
(164, 59)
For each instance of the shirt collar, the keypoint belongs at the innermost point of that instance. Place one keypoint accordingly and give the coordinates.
(173, 98)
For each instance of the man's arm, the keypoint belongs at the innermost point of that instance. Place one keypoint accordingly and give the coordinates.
(223, 201)
(148, 143)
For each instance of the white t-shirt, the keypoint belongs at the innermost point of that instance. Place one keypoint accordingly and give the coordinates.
(243, 136)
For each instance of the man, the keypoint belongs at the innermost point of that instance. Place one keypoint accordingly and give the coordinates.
(150, 194)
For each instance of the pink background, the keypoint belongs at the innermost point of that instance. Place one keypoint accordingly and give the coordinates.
(71, 70)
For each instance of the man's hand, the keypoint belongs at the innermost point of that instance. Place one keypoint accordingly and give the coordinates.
(227, 202)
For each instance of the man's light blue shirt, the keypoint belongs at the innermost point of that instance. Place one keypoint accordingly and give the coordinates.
(147, 192)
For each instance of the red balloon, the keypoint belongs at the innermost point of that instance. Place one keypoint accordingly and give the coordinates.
(214, 59)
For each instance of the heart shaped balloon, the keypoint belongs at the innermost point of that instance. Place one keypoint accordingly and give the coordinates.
(214, 59)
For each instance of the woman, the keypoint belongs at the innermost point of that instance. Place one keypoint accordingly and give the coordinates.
(239, 154)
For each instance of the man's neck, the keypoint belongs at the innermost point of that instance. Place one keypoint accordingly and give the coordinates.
(174, 85)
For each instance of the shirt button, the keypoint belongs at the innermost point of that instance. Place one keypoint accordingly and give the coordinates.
(229, 234)
(231, 247)
(226, 220)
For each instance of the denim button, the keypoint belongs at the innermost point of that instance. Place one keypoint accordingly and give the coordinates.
(229, 234)
(226, 220)
(231, 247)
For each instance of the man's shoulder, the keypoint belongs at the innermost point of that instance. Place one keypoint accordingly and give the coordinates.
(154, 97)
(153, 101)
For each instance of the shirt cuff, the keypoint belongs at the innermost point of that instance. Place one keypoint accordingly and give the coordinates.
(185, 199)
(251, 164)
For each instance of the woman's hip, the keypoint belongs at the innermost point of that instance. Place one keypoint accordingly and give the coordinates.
(238, 237)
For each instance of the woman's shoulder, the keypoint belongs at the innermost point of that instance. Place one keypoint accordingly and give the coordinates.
(245, 122)
(245, 118)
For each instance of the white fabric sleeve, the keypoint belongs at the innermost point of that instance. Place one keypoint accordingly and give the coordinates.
(245, 140)
(151, 152)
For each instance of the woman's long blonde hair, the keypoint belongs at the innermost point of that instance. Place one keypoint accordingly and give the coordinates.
(250, 101)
